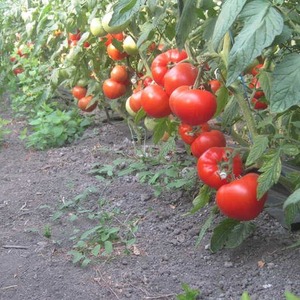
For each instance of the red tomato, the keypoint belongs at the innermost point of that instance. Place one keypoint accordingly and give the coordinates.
(18, 71)
(214, 85)
(256, 69)
(206, 140)
(259, 104)
(135, 101)
(79, 91)
(155, 101)
(255, 84)
(86, 44)
(180, 74)
(114, 53)
(113, 89)
(188, 133)
(119, 73)
(115, 36)
(216, 166)
(161, 63)
(85, 104)
(237, 200)
(75, 36)
(147, 81)
(193, 107)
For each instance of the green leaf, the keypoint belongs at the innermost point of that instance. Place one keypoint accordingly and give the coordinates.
(239, 233)
(221, 234)
(229, 12)
(222, 100)
(201, 199)
(108, 247)
(262, 22)
(139, 116)
(290, 149)
(286, 88)
(245, 296)
(96, 250)
(290, 296)
(291, 207)
(77, 256)
(85, 262)
(260, 144)
(265, 80)
(270, 170)
(160, 129)
(189, 293)
(204, 228)
(186, 22)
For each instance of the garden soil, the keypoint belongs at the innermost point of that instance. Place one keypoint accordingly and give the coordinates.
(47, 198)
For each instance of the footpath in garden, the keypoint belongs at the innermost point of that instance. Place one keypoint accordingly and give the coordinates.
(48, 198)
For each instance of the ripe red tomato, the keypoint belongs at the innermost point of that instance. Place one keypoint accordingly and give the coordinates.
(75, 36)
(255, 84)
(113, 89)
(119, 73)
(237, 200)
(189, 133)
(79, 91)
(114, 53)
(155, 101)
(86, 44)
(206, 140)
(217, 167)
(259, 105)
(18, 71)
(161, 63)
(85, 104)
(256, 69)
(115, 36)
(180, 74)
(193, 107)
(147, 81)
(135, 101)
(214, 85)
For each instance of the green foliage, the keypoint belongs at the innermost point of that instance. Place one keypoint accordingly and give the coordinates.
(54, 128)
(106, 232)
(189, 293)
(288, 296)
(292, 207)
(3, 130)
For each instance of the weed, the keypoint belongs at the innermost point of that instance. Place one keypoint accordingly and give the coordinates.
(47, 232)
(189, 293)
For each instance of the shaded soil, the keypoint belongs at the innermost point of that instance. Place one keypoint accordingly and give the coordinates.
(34, 248)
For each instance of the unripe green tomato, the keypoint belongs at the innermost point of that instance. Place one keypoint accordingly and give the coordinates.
(129, 45)
(97, 28)
(112, 29)
(128, 108)
(150, 123)
(83, 82)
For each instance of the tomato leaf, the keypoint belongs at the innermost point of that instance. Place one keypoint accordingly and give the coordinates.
(262, 22)
(290, 296)
(239, 233)
(185, 23)
(201, 199)
(204, 228)
(160, 129)
(265, 80)
(291, 207)
(286, 89)
(222, 100)
(270, 170)
(229, 12)
(221, 234)
(124, 11)
(260, 144)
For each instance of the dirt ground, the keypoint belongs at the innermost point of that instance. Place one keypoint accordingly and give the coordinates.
(37, 233)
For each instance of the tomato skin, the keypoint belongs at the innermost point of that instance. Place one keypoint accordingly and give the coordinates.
(255, 70)
(84, 103)
(188, 133)
(214, 85)
(113, 89)
(206, 140)
(191, 106)
(119, 73)
(237, 200)
(255, 84)
(114, 53)
(75, 36)
(155, 101)
(180, 74)
(79, 92)
(160, 64)
(208, 166)
(18, 71)
(115, 36)
(135, 101)
(258, 105)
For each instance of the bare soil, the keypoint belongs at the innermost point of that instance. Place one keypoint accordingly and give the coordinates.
(34, 259)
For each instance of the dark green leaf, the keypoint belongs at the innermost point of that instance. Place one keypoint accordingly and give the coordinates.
(204, 228)
(222, 100)
(186, 22)
(229, 12)
(260, 144)
(286, 88)
(221, 234)
(201, 199)
(265, 80)
(270, 170)
(262, 22)
(239, 233)
(291, 207)
(290, 149)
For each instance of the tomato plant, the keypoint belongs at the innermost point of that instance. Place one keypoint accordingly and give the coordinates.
(119, 73)
(113, 89)
(114, 53)
(218, 166)
(87, 103)
(238, 199)
(193, 106)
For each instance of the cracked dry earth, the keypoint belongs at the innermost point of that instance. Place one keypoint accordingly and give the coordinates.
(35, 265)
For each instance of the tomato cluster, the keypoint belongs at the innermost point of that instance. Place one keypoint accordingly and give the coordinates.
(85, 102)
